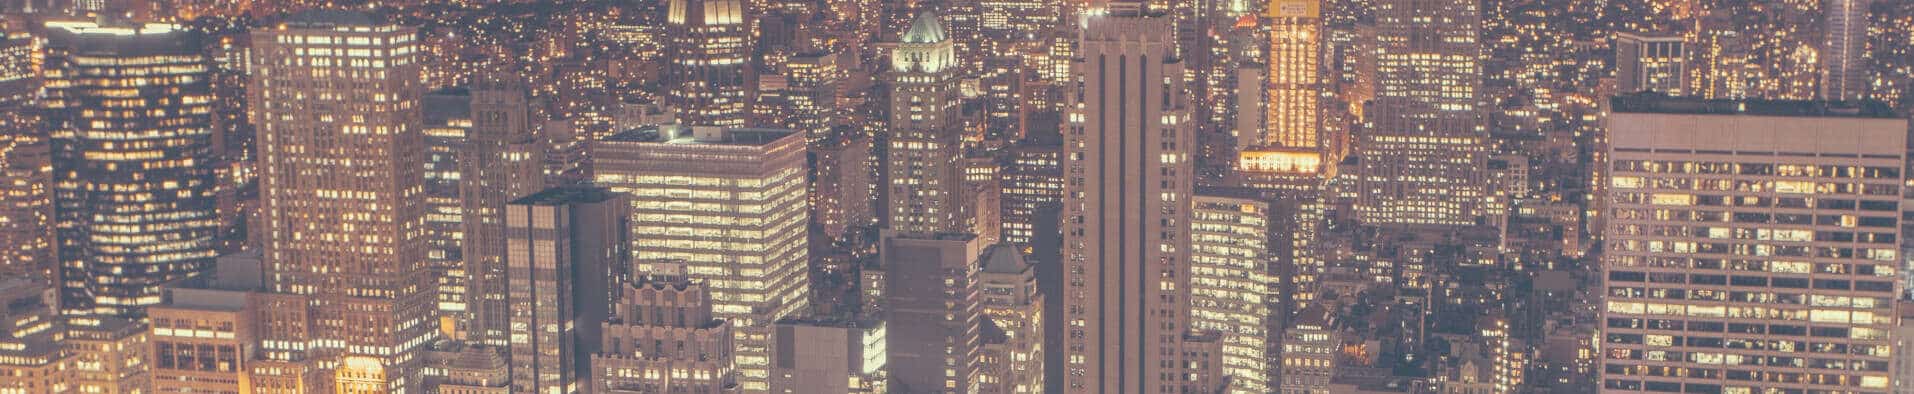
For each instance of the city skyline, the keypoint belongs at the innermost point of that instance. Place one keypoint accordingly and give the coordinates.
(975, 197)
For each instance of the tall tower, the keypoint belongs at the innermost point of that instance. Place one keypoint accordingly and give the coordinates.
(1127, 193)
(1295, 75)
(502, 160)
(130, 110)
(1785, 226)
(1843, 50)
(1424, 155)
(565, 243)
(709, 45)
(924, 136)
(335, 96)
(729, 205)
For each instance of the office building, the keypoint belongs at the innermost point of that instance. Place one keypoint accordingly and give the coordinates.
(1013, 333)
(110, 355)
(1126, 207)
(1032, 185)
(841, 183)
(828, 357)
(1295, 75)
(563, 246)
(921, 159)
(1309, 351)
(335, 99)
(129, 109)
(1651, 63)
(203, 340)
(661, 338)
(455, 367)
(26, 196)
(1234, 288)
(931, 310)
(729, 204)
(1767, 230)
(1423, 157)
(1844, 62)
(18, 76)
(708, 44)
(502, 159)
(448, 119)
(30, 352)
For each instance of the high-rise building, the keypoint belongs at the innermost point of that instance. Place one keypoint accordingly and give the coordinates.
(1767, 230)
(1423, 156)
(1234, 290)
(18, 77)
(1013, 335)
(1295, 75)
(923, 178)
(729, 204)
(1655, 63)
(1128, 185)
(448, 119)
(502, 159)
(130, 114)
(562, 247)
(26, 196)
(1032, 185)
(1844, 63)
(709, 46)
(931, 309)
(335, 97)
(841, 183)
(661, 337)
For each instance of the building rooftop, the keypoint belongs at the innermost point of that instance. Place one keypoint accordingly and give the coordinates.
(1658, 103)
(700, 135)
(569, 194)
(320, 18)
(127, 39)
(1004, 258)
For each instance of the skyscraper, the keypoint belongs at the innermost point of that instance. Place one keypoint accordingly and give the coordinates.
(1767, 230)
(1233, 286)
(1127, 193)
(709, 46)
(562, 247)
(130, 111)
(1013, 337)
(923, 175)
(1844, 63)
(26, 196)
(502, 159)
(1655, 63)
(335, 97)
(932, 310)
(1295, 75)
(729, 204)
(1425, 152)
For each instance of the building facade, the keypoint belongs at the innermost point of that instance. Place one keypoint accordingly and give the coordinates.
(1426, 149)
(563, 246)
(1767, 230)
(335, 97)
(130, 115)
(1127, 194)
(923, 175)
(730, 205)
(709, 47)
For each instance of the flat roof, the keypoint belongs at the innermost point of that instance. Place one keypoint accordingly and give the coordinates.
(700, 135)
(1658, 103)
(569, 194)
